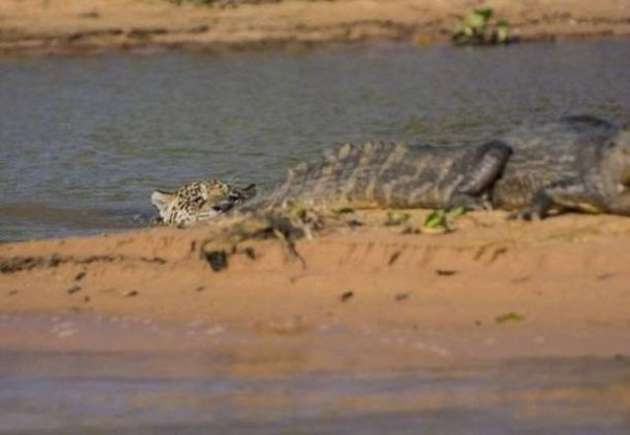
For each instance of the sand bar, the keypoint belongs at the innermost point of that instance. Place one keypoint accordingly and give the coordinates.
(491, 288)
(80, 26)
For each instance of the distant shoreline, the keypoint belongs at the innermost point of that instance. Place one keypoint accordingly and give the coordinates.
(33, 27)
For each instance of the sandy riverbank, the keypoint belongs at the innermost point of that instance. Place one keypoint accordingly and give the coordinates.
(372, 295)
(79, 26)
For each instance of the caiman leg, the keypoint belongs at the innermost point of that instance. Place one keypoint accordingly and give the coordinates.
(486, 169)
(562, 195)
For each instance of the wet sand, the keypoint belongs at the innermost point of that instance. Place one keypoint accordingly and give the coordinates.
(78, 26)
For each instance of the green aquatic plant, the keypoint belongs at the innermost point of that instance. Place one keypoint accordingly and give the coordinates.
(479, 28)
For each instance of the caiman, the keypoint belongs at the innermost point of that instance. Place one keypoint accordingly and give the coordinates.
(578, 163)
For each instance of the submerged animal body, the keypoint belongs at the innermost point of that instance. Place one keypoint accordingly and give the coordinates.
(198, 201)
(577, 163)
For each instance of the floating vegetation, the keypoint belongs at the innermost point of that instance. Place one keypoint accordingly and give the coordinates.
(480, 28)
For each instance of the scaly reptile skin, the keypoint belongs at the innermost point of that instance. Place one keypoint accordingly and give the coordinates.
(577, 163)
(396, 176)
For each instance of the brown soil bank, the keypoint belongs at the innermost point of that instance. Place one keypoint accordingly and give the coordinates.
(79, 26)
(369, 296)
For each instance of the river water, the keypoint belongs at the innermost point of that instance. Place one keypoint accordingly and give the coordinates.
(84, 140)
(559, 397)
(208, 386)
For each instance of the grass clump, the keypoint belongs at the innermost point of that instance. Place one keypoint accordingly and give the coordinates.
(479, 27)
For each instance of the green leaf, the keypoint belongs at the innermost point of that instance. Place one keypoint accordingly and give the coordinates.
(503, 35)
(485, 13)
(509, 317)
(436, 219)
(502, 32)
(474, 21)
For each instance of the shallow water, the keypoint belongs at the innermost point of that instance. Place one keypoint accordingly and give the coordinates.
(564, 397)
(208, 390)
(84, 140)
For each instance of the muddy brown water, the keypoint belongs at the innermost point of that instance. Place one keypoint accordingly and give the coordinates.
(84, 140)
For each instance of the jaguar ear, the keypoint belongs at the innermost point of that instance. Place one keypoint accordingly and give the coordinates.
(161, 200)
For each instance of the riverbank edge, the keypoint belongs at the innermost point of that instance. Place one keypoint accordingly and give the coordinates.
(75, 28)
